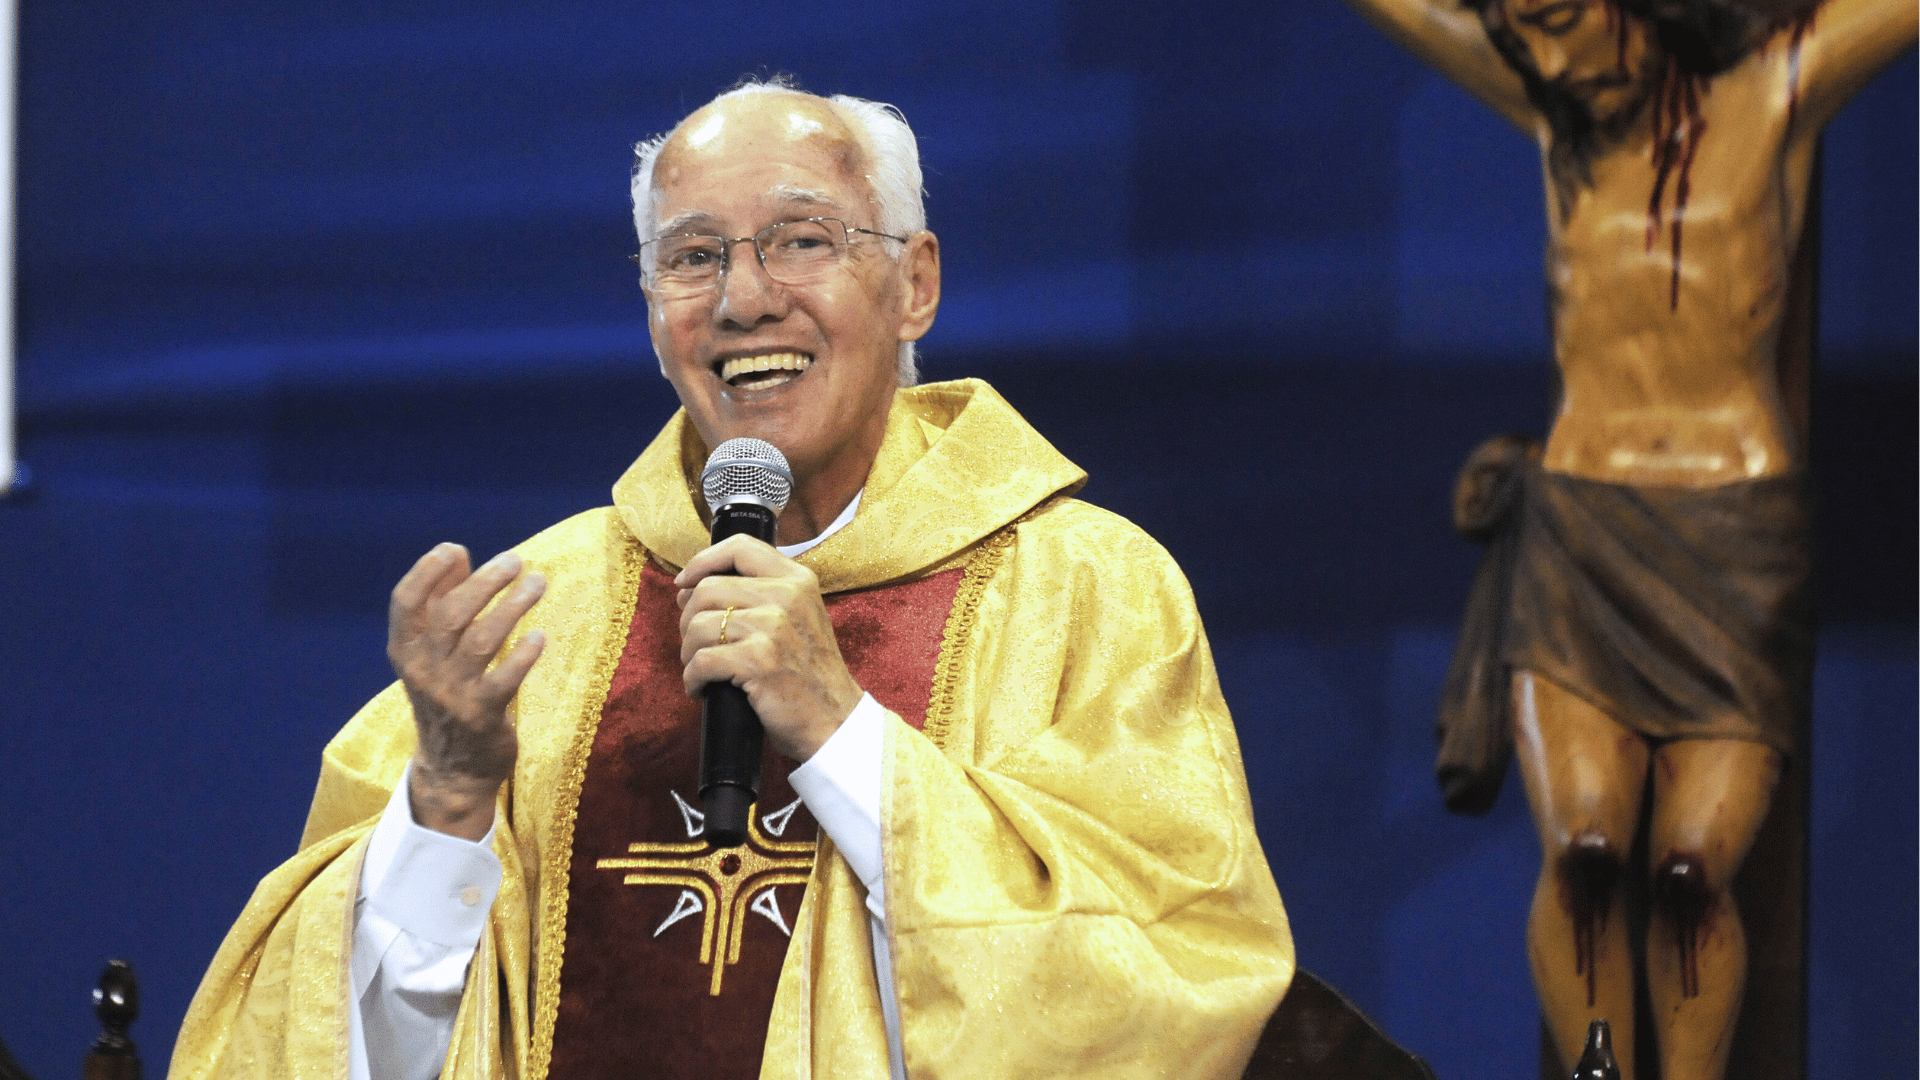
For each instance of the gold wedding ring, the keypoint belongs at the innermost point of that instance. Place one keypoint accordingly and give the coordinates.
(723, 623)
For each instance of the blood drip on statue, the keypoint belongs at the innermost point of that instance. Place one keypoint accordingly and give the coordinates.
(1678, 128)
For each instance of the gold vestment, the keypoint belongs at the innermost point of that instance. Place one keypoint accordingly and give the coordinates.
(1073, 883)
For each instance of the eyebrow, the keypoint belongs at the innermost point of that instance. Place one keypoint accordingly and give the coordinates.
(1540, 15)
(808, 196)
(786, 193)
(682, 222)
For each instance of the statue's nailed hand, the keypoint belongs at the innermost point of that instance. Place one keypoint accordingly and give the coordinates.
(443, 638)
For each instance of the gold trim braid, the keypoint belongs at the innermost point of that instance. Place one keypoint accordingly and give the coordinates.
(966, 609)
(556, 861)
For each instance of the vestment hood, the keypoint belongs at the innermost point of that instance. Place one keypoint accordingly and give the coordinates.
(956, 463)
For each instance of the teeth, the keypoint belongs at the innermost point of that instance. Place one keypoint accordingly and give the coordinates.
(754, 365)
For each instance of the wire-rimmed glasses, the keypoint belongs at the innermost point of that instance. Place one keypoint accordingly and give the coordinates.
(792, 252)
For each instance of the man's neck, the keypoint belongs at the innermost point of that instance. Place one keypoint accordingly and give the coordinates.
(794, 551)
(820, 496)
(813, 508)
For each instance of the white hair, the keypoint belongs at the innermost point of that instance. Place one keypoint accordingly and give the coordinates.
(889, 162)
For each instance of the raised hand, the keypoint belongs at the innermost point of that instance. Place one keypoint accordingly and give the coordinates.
(442, 639)
(779, 644)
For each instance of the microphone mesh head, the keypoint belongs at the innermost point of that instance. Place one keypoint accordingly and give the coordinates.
(751, 468)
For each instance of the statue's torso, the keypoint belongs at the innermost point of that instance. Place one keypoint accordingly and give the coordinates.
(1667, 308)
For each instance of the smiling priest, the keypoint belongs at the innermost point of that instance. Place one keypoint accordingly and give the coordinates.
(1004, 828)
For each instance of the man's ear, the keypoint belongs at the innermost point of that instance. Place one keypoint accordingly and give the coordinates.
(921, 264)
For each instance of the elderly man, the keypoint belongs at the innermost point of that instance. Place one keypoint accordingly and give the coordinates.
(995, 701)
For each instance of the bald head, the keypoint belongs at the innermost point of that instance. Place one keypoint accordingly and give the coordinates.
(740, 129)
(873, 141)
(771, 119)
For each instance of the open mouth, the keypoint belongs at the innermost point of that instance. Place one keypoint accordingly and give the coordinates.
(762, 372)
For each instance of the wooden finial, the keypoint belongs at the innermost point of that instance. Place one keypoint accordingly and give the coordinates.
(116, 1001)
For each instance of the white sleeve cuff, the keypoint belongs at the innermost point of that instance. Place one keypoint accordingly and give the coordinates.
(840, 784)
(434, 886)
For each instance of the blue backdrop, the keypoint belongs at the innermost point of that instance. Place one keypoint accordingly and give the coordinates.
(308, 288)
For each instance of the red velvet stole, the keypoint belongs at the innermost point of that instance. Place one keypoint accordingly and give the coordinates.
(673, 950)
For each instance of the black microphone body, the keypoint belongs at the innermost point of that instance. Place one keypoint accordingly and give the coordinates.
(731, 738)
(746, 483)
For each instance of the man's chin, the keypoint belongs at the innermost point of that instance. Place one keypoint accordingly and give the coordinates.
(1615, 108)
(771, 414)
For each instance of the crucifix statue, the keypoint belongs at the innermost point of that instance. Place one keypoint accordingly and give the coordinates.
(1641, 628)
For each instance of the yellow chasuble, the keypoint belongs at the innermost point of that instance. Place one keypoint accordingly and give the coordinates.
(1073, 883)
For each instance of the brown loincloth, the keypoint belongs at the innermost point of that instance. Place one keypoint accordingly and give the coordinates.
(1680, 613)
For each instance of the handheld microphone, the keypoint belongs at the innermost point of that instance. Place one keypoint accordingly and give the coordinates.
(746, 483)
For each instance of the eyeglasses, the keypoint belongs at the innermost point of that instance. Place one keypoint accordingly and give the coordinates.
(791, 252)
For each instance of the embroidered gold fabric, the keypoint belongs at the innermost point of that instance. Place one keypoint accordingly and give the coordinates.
(1074, 887)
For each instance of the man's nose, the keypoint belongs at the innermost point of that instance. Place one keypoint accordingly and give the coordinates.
(1551, 58)
(748, 295)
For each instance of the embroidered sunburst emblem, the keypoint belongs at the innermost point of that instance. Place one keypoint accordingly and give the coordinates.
(722, 885)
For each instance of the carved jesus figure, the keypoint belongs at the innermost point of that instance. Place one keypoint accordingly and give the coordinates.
(1653, 623)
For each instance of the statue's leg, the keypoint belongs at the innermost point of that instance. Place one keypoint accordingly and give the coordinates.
(1709, 799)
(1584, 774)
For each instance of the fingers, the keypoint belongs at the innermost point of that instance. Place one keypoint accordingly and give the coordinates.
(500, 684)
(705, 627)
(432, 575)
(438, 599)
(712, 595)
(484, 635)
(731, 572)
(738, 572)
(454, 611)
(443, 638)
(441, 632)
(742, 555)
(770, 624)
(780, 646)
(766, 592)
(737, 662)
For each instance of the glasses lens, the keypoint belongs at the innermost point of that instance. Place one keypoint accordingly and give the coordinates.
(684, 262)
(801, 250)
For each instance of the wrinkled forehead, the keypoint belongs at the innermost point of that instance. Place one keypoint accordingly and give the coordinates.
(779, 149)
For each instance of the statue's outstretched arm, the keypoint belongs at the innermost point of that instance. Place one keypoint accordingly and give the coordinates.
(1847, 43)
(1451, 38)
